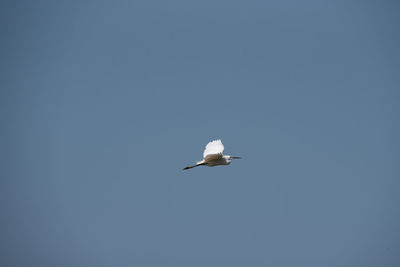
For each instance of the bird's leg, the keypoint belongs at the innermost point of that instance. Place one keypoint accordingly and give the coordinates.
(189, 167)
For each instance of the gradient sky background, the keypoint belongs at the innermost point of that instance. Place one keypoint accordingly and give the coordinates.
(103, 103)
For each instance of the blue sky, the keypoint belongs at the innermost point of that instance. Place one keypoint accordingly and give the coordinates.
(102, 104)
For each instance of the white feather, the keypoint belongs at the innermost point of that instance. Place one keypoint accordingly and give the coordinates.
(213, 150)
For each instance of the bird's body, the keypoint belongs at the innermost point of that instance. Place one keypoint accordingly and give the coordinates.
(212, 156)
(224, 160)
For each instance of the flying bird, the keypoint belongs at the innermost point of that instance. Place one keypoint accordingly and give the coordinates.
(212, 156)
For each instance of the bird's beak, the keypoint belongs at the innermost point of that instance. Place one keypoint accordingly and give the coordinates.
(236, 157)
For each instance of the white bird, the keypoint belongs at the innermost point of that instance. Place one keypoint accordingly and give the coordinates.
(212, 156)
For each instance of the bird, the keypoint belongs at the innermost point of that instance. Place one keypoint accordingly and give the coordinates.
(212, 156)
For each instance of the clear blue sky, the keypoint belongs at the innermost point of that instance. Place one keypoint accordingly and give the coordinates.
(102, 104)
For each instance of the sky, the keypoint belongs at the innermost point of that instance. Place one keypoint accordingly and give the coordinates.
(102, 103)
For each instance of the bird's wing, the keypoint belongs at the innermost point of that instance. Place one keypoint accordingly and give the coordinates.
(213, 150)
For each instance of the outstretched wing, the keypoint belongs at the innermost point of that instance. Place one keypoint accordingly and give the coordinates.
(213, 150)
